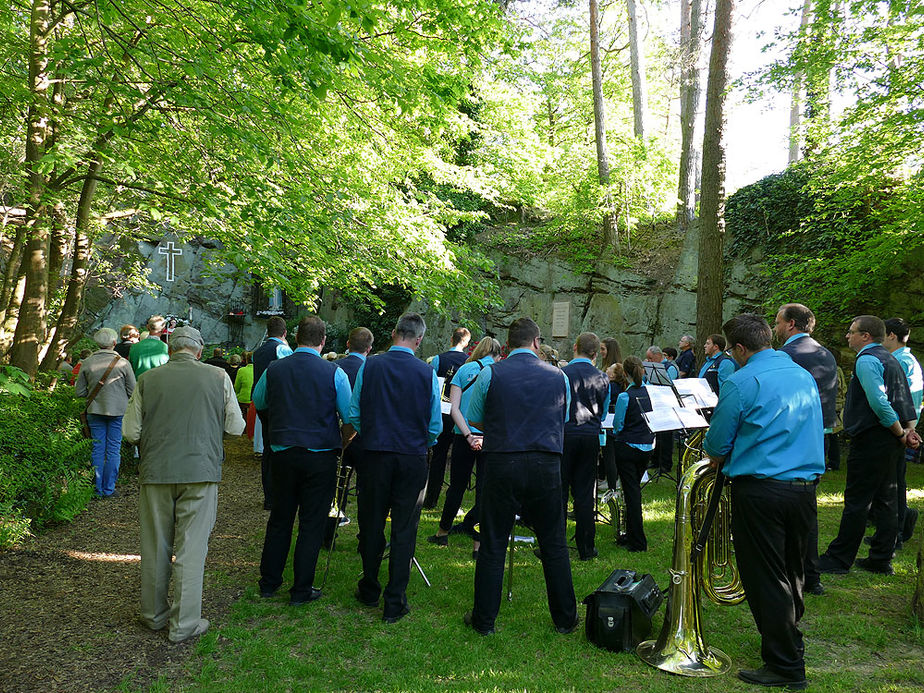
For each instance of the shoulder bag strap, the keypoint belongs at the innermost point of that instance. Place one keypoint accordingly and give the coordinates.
(102, 381)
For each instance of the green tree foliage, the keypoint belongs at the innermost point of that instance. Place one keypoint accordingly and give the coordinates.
(847, 219)
(292, 133)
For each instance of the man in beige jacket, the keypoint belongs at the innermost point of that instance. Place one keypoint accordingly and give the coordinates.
(177, 413)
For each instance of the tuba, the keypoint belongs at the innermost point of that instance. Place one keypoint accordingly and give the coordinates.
(680, 647)
(692, 451)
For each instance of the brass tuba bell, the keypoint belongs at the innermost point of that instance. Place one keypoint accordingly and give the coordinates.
(680, 647)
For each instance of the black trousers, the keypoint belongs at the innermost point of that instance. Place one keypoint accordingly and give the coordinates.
(266, 471)
(514, 483)
(770, 521)
(438, 455)
(579, 476)
(871, 485)
(664, 451)
(303, 483)
(464, 460)
(395, 482)
(632, 463)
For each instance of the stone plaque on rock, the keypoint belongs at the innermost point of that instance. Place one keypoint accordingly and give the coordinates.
(561, 318)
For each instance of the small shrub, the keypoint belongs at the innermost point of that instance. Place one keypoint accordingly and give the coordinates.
(45, 473)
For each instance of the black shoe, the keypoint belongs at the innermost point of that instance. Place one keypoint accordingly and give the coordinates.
(911, 519)
(313, 595)
(622, 540)
(397, 617)
(868, 540)
(565, 630)
(874, 566)
(459, 528)
(267, 594)
(438, 540)
(826, 564)
(365, 602)
(590, 555)
(765, 677)
(467, 620)
(817, 589)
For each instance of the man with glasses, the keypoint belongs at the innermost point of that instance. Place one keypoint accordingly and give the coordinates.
(879, 417)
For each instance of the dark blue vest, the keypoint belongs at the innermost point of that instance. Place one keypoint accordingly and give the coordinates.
(525, 406)
(350, 365)
(263, 357)
(820, 362)
(634, 429)
(302, 401)
(589, 388)
(449, 363)
(858, 416)
(395, 403)
(712, 373)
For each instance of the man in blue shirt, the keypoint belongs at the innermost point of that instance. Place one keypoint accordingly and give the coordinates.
(766, 432)
(879, 418)
(446, 365)
(896, 341)
(359, 344)
(718, 365)
(275, 347)
(303, 395)
(521, 404)
(793, 327)
(590, 401)
(396, 408)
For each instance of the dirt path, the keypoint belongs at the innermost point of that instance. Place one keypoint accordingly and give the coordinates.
(69, 597)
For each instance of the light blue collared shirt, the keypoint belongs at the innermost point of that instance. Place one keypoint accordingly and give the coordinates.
(435, 425)
(672, 371)
(283, 349)
(467, 373)
(870, 372)
(341, 387)
(725, 369)
(768, 422)
(480, 390)
(913, 373)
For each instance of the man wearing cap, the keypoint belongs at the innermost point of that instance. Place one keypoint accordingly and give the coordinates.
(177, 414)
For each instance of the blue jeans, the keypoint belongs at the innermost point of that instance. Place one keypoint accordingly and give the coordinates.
(107, 450)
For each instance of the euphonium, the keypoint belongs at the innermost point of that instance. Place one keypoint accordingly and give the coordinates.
(680, 648)
(692, 451)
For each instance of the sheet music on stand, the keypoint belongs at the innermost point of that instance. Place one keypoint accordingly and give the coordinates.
(696, 393)
(668, 412)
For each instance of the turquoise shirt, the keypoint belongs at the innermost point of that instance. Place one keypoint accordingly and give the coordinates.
(870, 372)
(726, 368)
(434, 427)
(767, 422)
(913, 372)
(467, 373)
(341, 386)
(480, 390)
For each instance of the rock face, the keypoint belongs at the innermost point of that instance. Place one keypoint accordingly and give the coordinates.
(637, 310)
(185, 282)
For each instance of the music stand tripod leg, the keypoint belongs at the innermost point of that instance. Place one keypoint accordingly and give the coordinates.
(510, 570)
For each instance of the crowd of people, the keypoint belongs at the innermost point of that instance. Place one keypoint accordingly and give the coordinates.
(536, 430)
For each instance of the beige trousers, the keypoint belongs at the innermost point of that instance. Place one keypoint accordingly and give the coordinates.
(176, 519)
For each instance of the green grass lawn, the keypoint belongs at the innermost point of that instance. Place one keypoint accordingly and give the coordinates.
(859, 636)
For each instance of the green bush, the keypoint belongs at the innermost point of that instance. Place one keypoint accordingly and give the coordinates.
(45, 473)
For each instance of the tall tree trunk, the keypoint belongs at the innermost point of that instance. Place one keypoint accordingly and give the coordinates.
(691, 24)
(30, 328)
(710, 283)
(603, 165)
(11, 313)
(70, 311)
(795, 111)
(637, 64)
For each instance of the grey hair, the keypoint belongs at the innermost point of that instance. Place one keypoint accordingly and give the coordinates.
(654, 350)
(410, 326)
(105, 337)
(688, 338)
